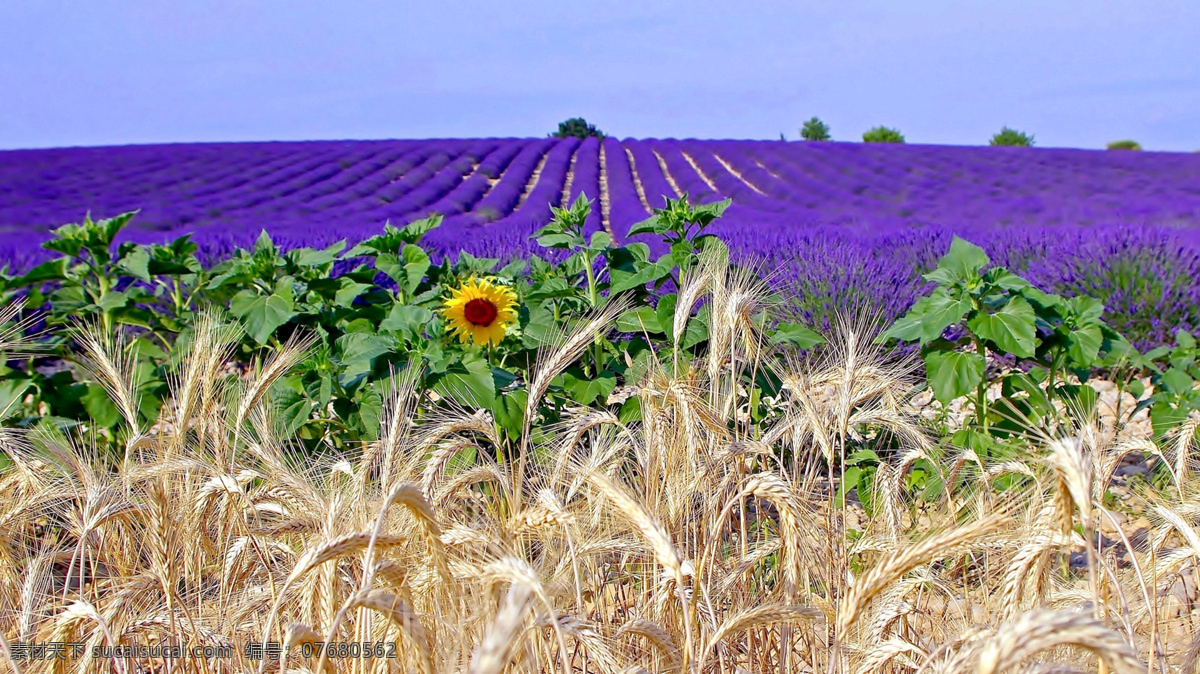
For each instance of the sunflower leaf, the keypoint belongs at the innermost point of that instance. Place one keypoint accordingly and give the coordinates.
(468, 382)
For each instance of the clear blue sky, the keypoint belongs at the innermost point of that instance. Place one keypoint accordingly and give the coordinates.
(1075, 73)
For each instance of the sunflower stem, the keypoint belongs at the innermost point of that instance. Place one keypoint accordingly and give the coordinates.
(594, 300)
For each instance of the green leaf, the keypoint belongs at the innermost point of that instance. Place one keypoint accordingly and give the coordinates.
(264, 314)
(601, 241)
(11, 392)
(639, 320)
(469, 264)
(850, 478)
(1177, 381)
(509, 412)
(1165, 417)
(368, 407)
(406, 319)
(963, 261)
(622, 280)
(137, 263)
(389, 242)
(416, 265)
(469, 382)
(391, 266)
(641, 365)
(1085, 309)
(292, 408)
(558, 240)
(349, 291)
(697, 329)
(413, 231)
(794, 333)
(862, 457)
(357, 352)
(1042, 300)
(665, 312)
(953, 374)
(53, 270)
(539, 327)
(652, 225)
(551, 288)
(113, 299)
(683, 254)
(357, 346)
(307, 257)
(585, 391)
(100, 406)
(1011, 329)
(1006, 280)
(263, 245)
(929, 318)
(1083, 345)
(513, 269)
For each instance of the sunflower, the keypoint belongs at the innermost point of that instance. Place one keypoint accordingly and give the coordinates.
(480, 310)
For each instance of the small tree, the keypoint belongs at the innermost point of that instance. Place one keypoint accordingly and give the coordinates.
(815, 129)
(577, 127)
(883, 134)
(1011, 137)
(1124, 145)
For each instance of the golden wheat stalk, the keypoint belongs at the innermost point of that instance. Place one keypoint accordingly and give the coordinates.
(494, 651)
(1042, 629)
(757, 617)
(402, 615)
(865, 587)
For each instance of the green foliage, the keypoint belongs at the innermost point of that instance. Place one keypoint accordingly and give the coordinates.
(976, 310)
(1176, 369)
(577, 127)
(1011, 137)
(882, 134)
(364, 330)
(1124, 145)
(815, 129)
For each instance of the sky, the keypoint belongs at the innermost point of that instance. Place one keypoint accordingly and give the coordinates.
(1073, 73)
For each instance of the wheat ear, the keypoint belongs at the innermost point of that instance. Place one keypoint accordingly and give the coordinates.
(1042, 629)
(881, 575)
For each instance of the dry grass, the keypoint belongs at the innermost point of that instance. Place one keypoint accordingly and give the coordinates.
(696, 540)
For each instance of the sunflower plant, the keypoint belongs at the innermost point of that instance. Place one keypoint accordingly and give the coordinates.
(473, 326)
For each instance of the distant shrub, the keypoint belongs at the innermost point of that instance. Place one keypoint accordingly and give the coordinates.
(1124, 145)
(815, 129)
(1011, 137)
(577, 127)
(883, 134)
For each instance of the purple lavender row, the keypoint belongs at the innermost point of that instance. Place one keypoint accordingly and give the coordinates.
(625, 206)
(729, 185)
(463, 197)
(649, 173)
(511, 231)
(499, 201)
(417, 202)
(505, 195)
(682, 172)
(548, 191)
(741, 155)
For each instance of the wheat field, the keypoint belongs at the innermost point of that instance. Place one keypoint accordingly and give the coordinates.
(697, 539)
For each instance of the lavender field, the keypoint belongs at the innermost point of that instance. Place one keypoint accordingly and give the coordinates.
(839, 223)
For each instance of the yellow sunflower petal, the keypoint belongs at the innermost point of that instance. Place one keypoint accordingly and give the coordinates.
(480, 311)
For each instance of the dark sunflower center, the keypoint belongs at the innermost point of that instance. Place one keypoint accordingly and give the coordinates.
(480, 312)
